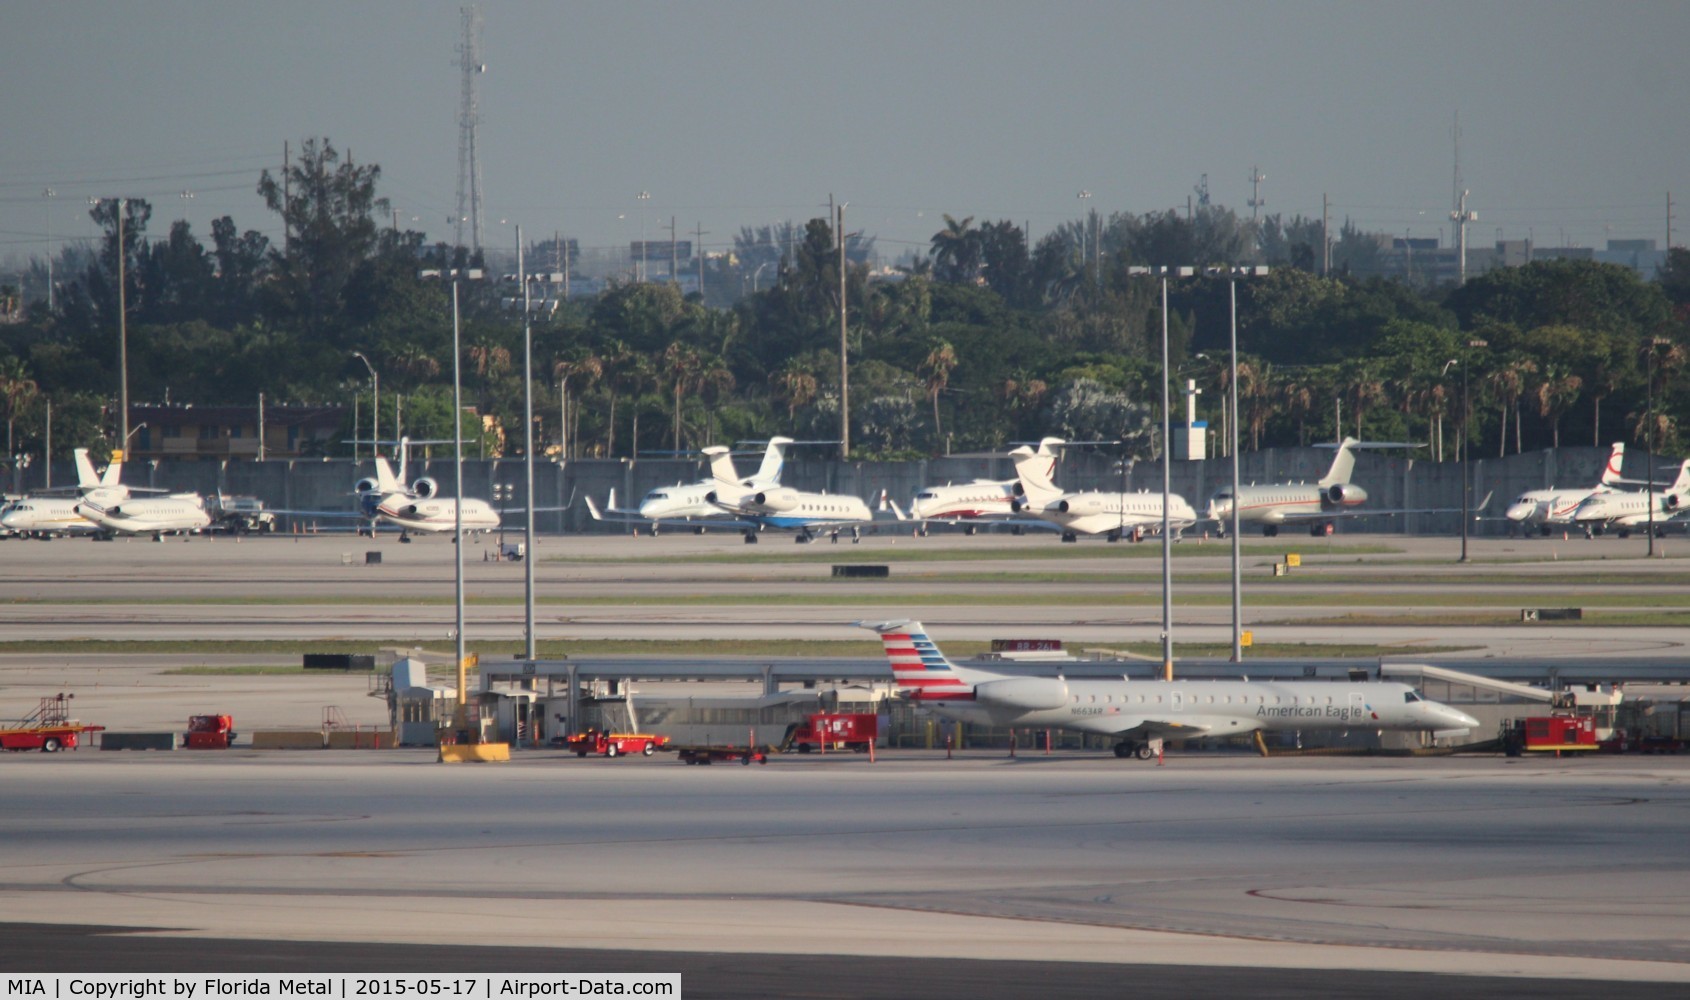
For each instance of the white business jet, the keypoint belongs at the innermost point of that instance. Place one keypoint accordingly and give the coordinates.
(1114, 515)
(971, 502)
(1141, 714)
(1543, 509)
(419, 506)
(688, 503)
(44, 515)
(115, 509)
(1624, 510)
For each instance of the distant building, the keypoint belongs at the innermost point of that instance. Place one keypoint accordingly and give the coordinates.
(231, 432)
(1423, 262)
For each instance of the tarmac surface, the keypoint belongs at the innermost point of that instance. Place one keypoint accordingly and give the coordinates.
(1072, 874)
(1543, 869)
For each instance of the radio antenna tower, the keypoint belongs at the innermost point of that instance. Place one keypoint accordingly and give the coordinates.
(1256, 199)
(469, 117)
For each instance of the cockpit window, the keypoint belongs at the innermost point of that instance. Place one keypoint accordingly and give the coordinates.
(1410, 697)
(924, 496)
(657, 496)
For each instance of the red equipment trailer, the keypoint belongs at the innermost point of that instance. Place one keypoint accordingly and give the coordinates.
(854, 731)
(48, 729)
(1549, 734)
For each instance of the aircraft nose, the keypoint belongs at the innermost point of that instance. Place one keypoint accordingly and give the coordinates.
(1457, 719)
(1519, 511)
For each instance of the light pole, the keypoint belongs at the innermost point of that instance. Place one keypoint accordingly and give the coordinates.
(1085, 223)
(122, 325)
(1649, 429)
(1167, 535)
(375, 406)
(639, 262)
(47, 195)
(527, 459)
(1466, 443)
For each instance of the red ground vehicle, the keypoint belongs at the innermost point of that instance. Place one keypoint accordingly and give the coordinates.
(1549, 734)
(209, 732)
(615, 744)
(723, 754)
(833, 731)
(48, 729)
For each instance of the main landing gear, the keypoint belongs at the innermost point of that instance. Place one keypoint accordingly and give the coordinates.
(1133, 748)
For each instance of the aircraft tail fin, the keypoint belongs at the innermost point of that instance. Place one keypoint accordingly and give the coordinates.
(386, 481)
(1034, 470)
(85, 476)
(920, 669)
(721, 465)
(774, 461)
(1682, 485)
(1343, 464)
(1611, 472)
(1048, 446)
(593, 508)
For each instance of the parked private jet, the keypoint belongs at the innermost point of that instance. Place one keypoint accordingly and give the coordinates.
(115, 509)
(43, 515)
(418, 506)
(1114, 515)
(971, 502)
(1140, 713)
(1543, 509)
(785, 509)
(1624, 510)
(1317, 505)
(687, 503)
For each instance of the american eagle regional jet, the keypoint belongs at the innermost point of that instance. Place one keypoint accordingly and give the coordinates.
(1140, 713)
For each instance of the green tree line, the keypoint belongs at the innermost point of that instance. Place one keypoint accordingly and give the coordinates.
(983, 340)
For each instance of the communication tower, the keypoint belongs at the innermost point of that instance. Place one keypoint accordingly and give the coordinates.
(469, 118)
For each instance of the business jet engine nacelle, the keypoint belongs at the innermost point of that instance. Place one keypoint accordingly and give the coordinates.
(1339, 493)
(366, 486)
(1671, 501)
(775, 500)
(1028, 694)
(425, 488)
(1081, 505)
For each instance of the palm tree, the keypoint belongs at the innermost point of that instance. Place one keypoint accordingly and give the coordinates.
(1256, 396)
(590, 369)
(936, 370)
(17, 391)
(681, 367)
(956, 251)
(1556, 391)
(1509, 382)
(796, 384)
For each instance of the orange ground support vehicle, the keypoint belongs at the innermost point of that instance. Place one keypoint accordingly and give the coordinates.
(48, 729)
(615, 744)
(209, 732)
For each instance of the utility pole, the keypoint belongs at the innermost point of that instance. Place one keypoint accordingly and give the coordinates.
(48, 195)
(528, 456)
(674, 253)
(844, 364)
(1461, 217)
(698, 252)
(261, 427)
(122, 331)
(1325, 237)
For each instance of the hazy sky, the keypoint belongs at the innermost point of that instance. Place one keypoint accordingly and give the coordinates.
(745, 112)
